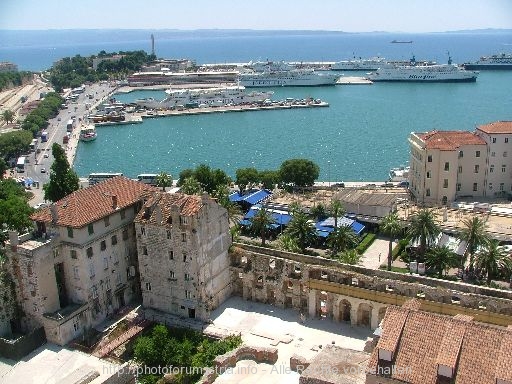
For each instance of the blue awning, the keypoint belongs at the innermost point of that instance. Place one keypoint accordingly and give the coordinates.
(257, 197)
(327, 225)
(357, 227)
(236, 196)
(322, 233)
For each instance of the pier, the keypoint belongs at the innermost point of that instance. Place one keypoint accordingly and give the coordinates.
(353, 80)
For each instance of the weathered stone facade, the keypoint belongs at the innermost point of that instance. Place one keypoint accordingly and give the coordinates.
(183, 246)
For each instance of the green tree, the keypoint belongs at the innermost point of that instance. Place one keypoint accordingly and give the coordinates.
(63, 180)
(269, 179)
(299, 172)
(3, 168)
(8, 116)
(302, 230)
(390, 225)
(288, 243)
(341, 239)
(14, 209)
(337, 210)
(245, 176)
(319, 211)
(260, 224)
(423, 228)
(163, 180)
(493, 259)
(191, 186)
(474, 233)
(350, 256)
(441, 259)
(185, 174)
(12, 144)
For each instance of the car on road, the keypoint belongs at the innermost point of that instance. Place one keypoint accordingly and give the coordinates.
(46, 155)
(59, 119)
(43, 170)
(40, 205)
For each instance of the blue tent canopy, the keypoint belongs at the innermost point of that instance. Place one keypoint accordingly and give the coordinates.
(251, 198)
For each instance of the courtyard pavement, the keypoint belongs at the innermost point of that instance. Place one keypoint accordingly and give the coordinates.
(376, 254)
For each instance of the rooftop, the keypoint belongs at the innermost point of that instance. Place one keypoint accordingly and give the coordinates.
(449, 140)
(188, 205)
(91, 204)
(497, 127)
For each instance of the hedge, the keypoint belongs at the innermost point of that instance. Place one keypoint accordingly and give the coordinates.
(365, 243)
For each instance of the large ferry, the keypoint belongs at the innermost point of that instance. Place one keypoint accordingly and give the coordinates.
(206, 97)
(501, 61)
(292, 77)
(435, 73)
(359, 64)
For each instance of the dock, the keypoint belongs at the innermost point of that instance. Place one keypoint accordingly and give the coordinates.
(353, 80)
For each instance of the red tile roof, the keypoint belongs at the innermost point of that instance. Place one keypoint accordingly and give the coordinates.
(478, 353)
(497, 127)
(88, 205)
(188, 205)
(449, 140)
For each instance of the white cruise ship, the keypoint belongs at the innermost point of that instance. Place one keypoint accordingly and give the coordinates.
(359, 64)
(293, 77)
(501, 61)
(205, 97)
(435, 73)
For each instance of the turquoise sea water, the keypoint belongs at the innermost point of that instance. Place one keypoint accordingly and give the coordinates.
(359, 137)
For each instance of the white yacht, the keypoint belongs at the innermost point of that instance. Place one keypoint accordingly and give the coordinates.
(206, 97)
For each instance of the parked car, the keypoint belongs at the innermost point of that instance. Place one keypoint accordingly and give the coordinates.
(43, 170)
(40, 205)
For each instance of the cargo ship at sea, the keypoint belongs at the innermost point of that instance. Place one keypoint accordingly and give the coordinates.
(500, 61)
(207, 97)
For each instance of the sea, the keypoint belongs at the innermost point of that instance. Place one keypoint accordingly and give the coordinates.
(359, 137)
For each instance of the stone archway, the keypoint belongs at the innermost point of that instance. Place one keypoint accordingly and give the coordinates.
(364, 315)
(344, 309)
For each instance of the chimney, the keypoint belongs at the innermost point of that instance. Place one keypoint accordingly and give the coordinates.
(54, 212)
(114, 202)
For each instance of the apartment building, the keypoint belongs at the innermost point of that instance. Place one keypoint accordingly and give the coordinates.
(445, 165)
(498, 138)
(182, 243)
(80, 264)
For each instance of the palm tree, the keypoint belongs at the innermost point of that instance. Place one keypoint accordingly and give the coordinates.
(337, 210)
(191, 186)
(391, 226)
(441, 259)
(301, 230)
(350, 257)
(423, 228)
(260, 224)
(493, 259)
(319, 211)
(341, 239)
(8, 116)
(475, 235)
(163, 180)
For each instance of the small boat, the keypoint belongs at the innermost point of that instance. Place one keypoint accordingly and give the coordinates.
(88, 133)
(401, 41)
(399, 174)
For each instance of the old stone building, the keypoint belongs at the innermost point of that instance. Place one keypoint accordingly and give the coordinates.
(80, 263)
(183, 246)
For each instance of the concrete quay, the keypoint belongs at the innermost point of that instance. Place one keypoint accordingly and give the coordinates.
(353, 80)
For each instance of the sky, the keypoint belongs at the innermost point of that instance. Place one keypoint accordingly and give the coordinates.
(413, 16)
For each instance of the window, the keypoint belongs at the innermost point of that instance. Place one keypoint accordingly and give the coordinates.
(73, 254)
(477, 168)
(505, 154)
(172, 274)
(90, 228)
(103, 245)
(429, 158)
(106, 220)
(143, 231)
(148, 286)
(428, 175)
(113, 240)
(503, 168)
(494, 140)
(491, 169)
(76, 272)
(493, 154)
(445, 183)
(168, 235)
(91, 270)
(506, 139)
(183, 220)
(458, 187)
(187, 277)
(461, 154)
(460, 169)
(171, 254)
(89, 252)
(490, 185)
(184, 237)
(188, 294)
(105, 262)
(475, 187)
(428, 191)
(70, 232)
(125, 234)
(123, 214)
(144, 250)
(477, 153)
(184, 257)
(502, 186)
(447, 166)
(76, 324)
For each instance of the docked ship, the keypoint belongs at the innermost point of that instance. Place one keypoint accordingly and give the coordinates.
(359, 64)
(500, 61)
(278, 77)
(205, 97)
(436, 73)
(88, 133)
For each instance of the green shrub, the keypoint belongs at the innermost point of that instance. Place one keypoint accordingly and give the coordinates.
(365, 243)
